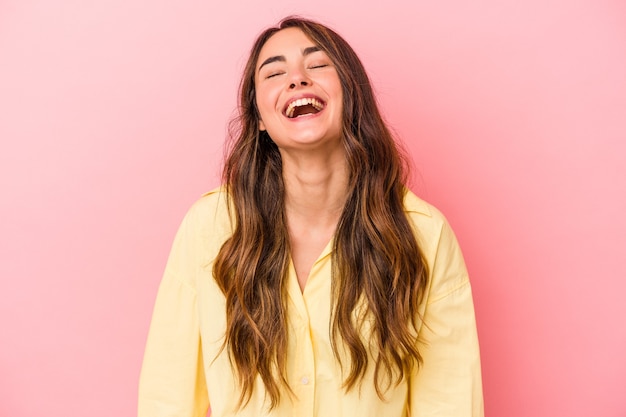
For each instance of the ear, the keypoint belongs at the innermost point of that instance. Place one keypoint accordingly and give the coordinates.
(261, 125)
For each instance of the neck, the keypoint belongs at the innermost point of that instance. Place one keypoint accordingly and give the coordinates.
(315, 193)
(315, 187)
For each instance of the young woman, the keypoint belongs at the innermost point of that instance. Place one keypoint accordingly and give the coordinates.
(312, 283)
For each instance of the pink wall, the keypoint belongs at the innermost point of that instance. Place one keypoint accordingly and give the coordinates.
(112, 116)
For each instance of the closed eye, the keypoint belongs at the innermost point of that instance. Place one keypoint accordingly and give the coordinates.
(319, 66)
(274, 74)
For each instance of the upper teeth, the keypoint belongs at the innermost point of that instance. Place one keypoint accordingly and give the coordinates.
(303, 102)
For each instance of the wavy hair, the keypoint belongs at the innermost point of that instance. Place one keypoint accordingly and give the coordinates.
(378, 272)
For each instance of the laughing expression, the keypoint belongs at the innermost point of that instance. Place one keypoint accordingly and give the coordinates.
(298, 92)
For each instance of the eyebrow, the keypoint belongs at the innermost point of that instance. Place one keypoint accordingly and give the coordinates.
(281, 58)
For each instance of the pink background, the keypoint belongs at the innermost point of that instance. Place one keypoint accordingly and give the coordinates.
(112, 118)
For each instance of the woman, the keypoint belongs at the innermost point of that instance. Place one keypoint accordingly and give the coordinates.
(313, 283)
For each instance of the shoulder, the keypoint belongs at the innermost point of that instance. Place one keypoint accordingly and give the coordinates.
(208, 217)
(439, 247)
(202, 232)
(426, 218)
(214, 201)
(210, 206)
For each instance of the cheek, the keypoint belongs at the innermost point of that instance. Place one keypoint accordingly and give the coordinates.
(264, 109)
(338, 93)
(333, 87)
(260, 107)
(264, 101)
(264, 114)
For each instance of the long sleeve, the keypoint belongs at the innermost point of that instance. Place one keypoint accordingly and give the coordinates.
(184, 352)
(448, 383)
(172, 382)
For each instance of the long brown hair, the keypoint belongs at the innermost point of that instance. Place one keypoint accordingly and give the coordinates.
(378, 271)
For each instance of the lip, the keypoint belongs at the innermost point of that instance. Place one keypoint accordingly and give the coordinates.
(300, 96)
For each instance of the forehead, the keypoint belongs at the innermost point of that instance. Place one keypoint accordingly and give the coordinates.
(283, 43)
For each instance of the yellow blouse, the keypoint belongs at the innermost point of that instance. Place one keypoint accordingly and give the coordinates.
(184, 372)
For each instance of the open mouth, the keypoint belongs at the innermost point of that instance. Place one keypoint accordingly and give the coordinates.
(304, 106)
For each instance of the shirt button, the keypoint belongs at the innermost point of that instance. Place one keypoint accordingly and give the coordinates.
(304, 380)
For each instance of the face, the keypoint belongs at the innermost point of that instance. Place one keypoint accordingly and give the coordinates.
(298, 92)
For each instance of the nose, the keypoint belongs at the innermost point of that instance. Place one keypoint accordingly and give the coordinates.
(303, 83)
(298, 79)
